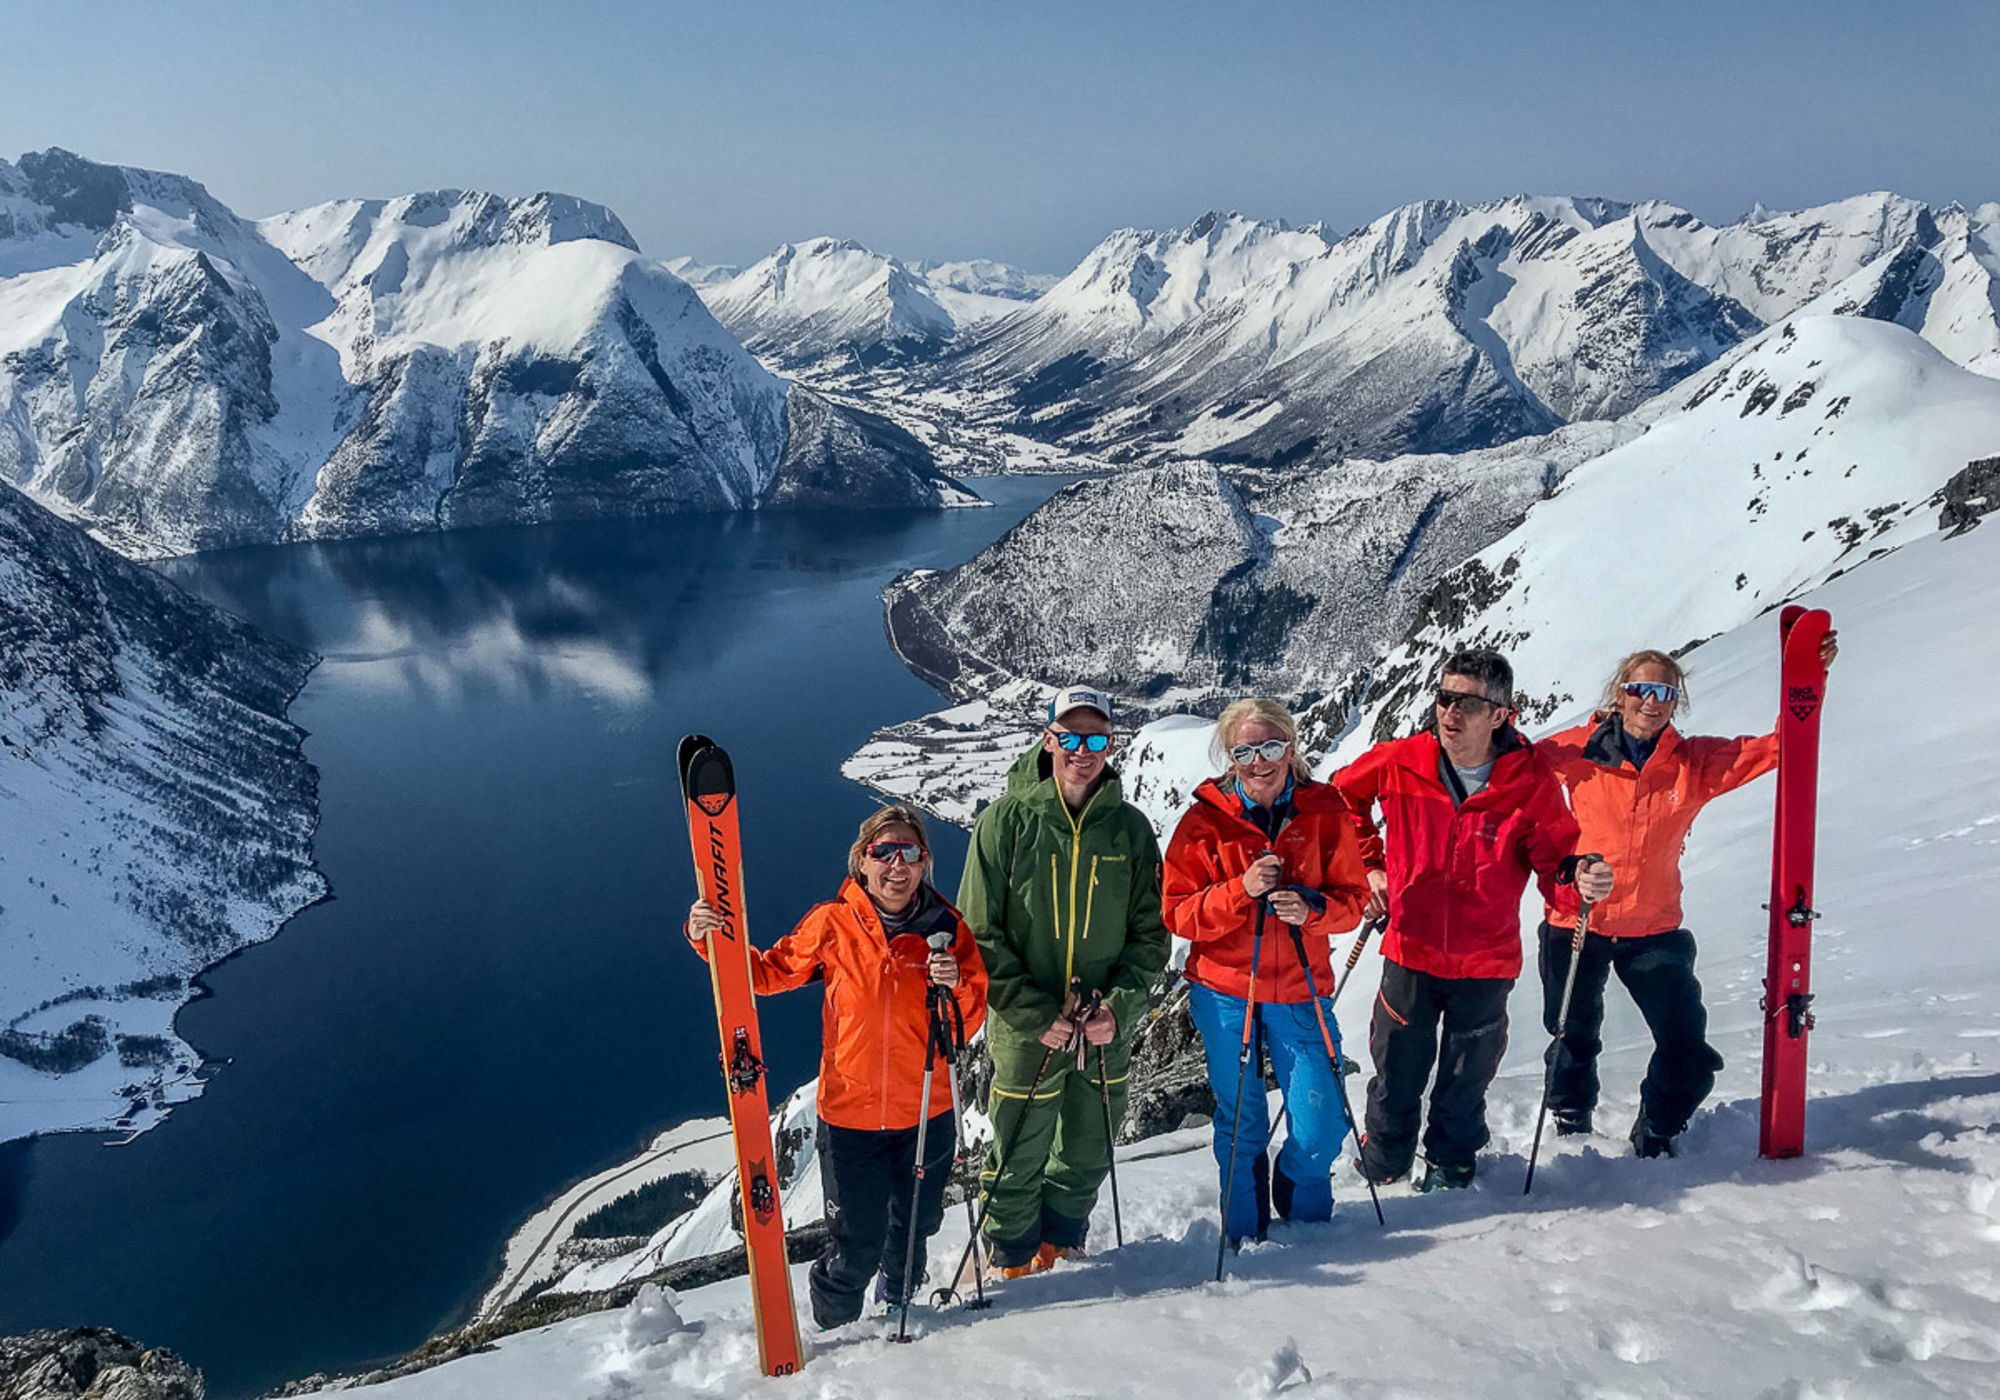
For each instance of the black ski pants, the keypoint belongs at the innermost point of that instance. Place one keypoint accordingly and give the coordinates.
(1460, 1025)
(867, 1178)
(1658, 970)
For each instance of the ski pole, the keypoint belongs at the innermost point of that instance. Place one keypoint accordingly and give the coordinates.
(1333, 1052)
(1242, 1064)
(946, 1294)
(958, 1148)
(1368, 926)
(939, 941)
(1110, 1135)
(1562, 1025)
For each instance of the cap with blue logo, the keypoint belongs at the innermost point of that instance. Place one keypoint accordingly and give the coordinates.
(1079, 697)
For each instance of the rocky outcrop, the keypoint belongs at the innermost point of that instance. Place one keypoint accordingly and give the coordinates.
(93, 1363)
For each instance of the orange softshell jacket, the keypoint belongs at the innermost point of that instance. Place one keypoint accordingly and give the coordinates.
(875, 1028)
(1203, 889)
(1638, 818)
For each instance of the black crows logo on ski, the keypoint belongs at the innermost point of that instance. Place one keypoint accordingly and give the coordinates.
(1802, 700)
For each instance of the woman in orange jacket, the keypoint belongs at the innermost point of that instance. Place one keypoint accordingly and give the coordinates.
(1636, 785)
(871, 946)
(1264, 834)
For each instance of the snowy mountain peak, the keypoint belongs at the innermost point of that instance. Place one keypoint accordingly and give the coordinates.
(56, 190)
(830, 296)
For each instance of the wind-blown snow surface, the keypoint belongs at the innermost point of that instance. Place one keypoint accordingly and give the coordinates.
(178, 378)
(156, 813)
(1871, 1267)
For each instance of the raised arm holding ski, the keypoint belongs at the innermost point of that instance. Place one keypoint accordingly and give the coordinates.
(1636, 785)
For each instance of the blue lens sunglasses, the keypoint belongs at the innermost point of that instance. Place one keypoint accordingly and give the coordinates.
(1089, 743)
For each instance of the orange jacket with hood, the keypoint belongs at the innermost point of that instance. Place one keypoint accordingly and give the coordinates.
(875, 1025)
(1638, 818)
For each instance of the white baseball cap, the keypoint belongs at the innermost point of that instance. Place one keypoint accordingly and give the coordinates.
(1079, 696)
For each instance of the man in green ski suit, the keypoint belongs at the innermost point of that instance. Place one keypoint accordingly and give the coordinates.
(1062, 882)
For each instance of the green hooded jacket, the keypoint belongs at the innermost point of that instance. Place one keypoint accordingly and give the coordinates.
(1049, 896)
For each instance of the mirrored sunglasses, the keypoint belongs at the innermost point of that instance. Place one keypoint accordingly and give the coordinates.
(1271, 750)
(1466, 700)
(1652, 690)
(1089, 743)
(908, 852)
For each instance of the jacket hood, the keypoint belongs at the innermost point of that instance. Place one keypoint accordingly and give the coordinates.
(1606, 745)
(1423, 750)
(1307, 796)
(1032, 780)
(932, 912)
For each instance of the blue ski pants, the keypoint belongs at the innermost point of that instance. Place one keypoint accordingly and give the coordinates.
(1300, 1187)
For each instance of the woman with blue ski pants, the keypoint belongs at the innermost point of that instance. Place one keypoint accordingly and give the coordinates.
(1263, 836)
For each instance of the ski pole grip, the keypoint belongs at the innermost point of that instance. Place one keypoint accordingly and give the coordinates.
(940, 941)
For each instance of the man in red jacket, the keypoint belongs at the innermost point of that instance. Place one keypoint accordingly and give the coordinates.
(1471, 810)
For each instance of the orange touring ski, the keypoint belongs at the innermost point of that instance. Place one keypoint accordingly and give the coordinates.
(708, 783)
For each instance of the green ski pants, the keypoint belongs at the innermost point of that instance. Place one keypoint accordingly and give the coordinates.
(1057, 1151)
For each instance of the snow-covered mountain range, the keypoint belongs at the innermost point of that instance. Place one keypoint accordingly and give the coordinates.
(1180, 585)
(156, 813)
(1442, 327)
(833, 299)
(178, 378)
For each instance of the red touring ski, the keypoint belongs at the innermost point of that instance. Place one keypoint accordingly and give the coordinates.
(1788, 974)
(708, 783)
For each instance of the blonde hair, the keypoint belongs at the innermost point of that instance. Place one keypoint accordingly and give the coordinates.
(1630, 666)
(879, 821)
(1258, 708)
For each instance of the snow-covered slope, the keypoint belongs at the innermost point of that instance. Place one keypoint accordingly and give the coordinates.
(980, 289)
(1133, 289)
(178, 379)
(832, 300)
(699, 274)
(1181, 585)
(1826, 442)
(1863, 1269)
(831, 297)
(156, 813)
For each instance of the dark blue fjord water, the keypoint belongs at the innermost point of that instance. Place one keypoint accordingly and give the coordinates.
(497, 1000)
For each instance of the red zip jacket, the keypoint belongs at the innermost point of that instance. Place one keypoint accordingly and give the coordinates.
(1638, 818)
(875, 1028)
(1202, 889)
(1456, 875)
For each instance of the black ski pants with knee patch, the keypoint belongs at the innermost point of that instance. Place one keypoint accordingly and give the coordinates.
(1658, 970)
(867, 1178)
(1458, 1024)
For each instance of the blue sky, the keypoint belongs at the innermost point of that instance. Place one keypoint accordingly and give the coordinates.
(1024, 131)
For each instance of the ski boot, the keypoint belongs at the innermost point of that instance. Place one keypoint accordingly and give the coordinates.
(1572, 1124)
(1647, 1143)
(1439, 1177)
